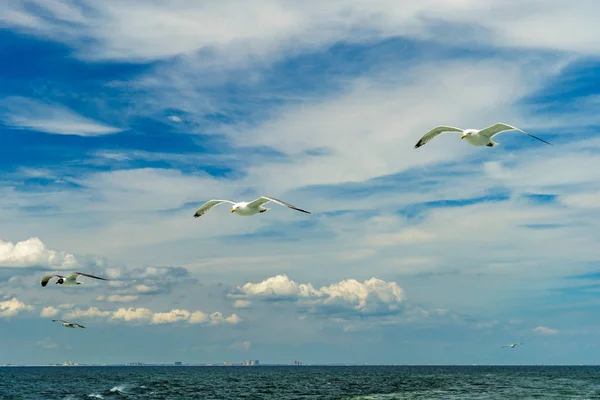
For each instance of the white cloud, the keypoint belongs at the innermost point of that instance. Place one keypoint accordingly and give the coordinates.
(279, 286)
(544, 330)
(373, 296)
(218, 318)
(47, 344)
(170, 317)
(49, 312)
(117, 298)
(132, 314)
(34, 253)
(242, 303)
(254, 31)
(175, 118)
(12, 307)
(92, 312)
(146, 289)
(50, 118)
(145, 315)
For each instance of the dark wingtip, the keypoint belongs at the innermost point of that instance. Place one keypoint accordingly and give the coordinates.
(44, 283)
(419, 144)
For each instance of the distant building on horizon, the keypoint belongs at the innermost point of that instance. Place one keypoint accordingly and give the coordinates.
(177, 362)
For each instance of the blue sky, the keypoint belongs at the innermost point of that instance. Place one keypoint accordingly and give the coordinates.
(118, 120)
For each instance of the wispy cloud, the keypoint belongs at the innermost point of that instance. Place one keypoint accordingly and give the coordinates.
(47, 344)
(275, 27)
(116, 298)
(50, 118)
(544, 330)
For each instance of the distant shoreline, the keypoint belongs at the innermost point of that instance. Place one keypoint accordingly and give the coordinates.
(297, 366)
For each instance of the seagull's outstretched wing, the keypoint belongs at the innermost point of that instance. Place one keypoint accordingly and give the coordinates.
(204, 208)
(264, 199)
(80, 326)
(60, 320)
(493, 130)
(74, 275)
(47, 278)
(435, 132)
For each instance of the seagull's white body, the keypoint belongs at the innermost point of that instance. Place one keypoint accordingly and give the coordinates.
(70, 280)
(475, 137)
(245, 209)
(68, 324)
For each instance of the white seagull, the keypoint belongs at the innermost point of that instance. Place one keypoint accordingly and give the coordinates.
(245, 209)
(475, 137)
(68, 324)
(69, 280)
(512, 346)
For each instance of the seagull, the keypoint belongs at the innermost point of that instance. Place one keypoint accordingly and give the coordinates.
(475, 137)
(512, 346)
(69, 280)
(245, 209)
(68, 324)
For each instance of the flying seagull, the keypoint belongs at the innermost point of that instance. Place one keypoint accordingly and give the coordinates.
(245, 209)
(68, 324)
(512, 346)
(475, 137)
(69, 280)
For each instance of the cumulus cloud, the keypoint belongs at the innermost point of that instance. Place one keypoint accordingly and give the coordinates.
(373, 296)
(34, 253)
(544, 330)
(242, 303)
(279, 287)
(145, 315)
(12, 307)
(170, 317)
(132, 314)
(92, 312)
(49, 312)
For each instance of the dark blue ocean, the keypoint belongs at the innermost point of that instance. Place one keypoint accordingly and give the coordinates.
(305, 382)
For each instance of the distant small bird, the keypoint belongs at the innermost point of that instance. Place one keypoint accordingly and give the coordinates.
(68, 324)
(245, 209)
(475, 137)
(512, 346)
(68, 281)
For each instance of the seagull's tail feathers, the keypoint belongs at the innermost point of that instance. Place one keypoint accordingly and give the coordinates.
(492, 144)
